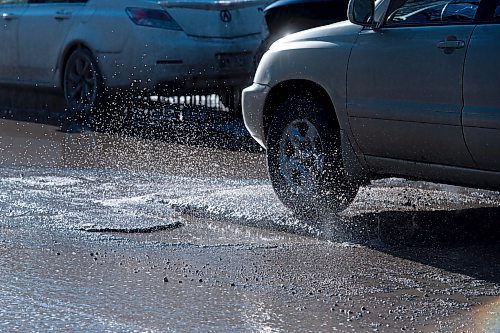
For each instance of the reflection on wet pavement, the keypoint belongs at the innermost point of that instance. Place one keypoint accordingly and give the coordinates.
(31, 144)
(487, 318)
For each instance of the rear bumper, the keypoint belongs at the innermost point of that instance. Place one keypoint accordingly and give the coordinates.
(253, 100)
(155, 60)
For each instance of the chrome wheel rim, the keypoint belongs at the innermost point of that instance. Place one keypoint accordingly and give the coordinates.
(301, 156)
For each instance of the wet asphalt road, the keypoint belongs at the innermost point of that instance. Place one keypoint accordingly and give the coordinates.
(119, 232)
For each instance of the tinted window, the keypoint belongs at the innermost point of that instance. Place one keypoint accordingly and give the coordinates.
(431, 12)
(12, 2)
(55, 1)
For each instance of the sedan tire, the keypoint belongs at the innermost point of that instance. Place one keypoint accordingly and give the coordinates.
(83, 87)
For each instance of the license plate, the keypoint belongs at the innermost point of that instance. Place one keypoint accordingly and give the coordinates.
(234, 60)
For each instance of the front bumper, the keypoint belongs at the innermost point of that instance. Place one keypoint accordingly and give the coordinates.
(253, 101)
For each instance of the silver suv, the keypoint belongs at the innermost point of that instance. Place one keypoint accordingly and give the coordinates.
(407, 87)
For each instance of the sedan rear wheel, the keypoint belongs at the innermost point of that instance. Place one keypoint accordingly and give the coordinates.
(305, 159)
(83, 86)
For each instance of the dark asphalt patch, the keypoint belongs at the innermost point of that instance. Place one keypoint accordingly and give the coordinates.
(140, 230)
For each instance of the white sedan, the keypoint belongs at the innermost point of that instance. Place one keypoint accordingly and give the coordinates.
(407, 88)
(91, 48)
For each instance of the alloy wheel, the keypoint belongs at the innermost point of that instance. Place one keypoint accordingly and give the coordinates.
(301, 156)
(80, 85)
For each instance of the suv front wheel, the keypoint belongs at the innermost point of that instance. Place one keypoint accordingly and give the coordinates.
(305, 159)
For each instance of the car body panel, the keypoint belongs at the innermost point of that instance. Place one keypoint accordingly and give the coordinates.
(220, 19)
(180, 63)
(282, 3)
(382, 167)
(481, 114)
(254, 98)
(290, 59)
(404, 95)
(288, 16)
(9, 26)
(107, 27)
(42, 33)
(284, 17)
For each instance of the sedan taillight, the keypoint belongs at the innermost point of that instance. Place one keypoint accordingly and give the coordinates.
(152, 18)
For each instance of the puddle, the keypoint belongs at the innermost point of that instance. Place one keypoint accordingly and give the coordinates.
(103, 200)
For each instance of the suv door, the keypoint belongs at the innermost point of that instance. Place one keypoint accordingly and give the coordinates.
(10, 13)
(481, 116)
(404, 82)
(42, 33)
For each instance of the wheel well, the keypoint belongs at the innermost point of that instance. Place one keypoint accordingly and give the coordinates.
(303, 87)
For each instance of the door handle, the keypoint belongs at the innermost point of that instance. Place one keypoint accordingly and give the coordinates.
(9, 16)
(62, 15)
(451, 44)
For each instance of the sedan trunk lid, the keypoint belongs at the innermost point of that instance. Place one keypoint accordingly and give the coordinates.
(218, 19)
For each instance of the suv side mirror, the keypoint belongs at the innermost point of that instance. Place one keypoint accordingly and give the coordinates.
(361, 12)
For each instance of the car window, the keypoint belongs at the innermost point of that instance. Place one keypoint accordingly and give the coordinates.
(496, 16)
(431, 12)
(56, 1)
(13, 2)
